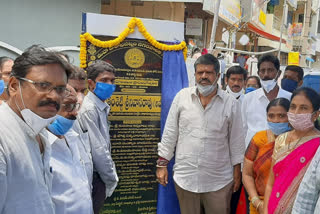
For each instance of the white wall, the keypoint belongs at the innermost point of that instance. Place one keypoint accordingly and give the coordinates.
(46, 22)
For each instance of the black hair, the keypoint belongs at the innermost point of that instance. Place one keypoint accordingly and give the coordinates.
(66, 56)
(195, 50)
(37, 55)
(237, 70)
(208, 59)
(283, 102)
(297, 69)
(77, 73)
(269, 58)
(3, 60)
(312, 96)
(256, 78)
(97, 67)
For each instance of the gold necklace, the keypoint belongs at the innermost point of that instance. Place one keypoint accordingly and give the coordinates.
(297, 141)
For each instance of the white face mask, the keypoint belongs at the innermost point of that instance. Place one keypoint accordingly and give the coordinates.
(234, 94)
(34, 121)
(268, 85)
(206, 90)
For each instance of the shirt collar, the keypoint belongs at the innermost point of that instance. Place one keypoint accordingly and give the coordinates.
(51, 137)
(99, 103)
(194, 92)
(260, 93)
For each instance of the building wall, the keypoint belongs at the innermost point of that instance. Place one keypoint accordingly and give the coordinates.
(46, 22)
(173, 11)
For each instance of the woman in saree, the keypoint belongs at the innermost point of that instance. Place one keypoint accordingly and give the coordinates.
(293, 152)
(257, 161)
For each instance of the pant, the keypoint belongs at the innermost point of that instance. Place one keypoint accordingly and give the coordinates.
(98, 193)
(217, 202)
(235, 200)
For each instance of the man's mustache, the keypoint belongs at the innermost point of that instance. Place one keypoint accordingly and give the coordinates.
(205, 80)
(235, 86)
(49, 102)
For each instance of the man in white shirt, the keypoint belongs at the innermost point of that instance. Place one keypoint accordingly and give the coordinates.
(71, 191)
(36, 88)
(254, 104)
(251, 62)
(204, 131)
(93, 118)
(235, 80)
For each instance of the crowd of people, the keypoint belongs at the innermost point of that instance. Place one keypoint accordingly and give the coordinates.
(55, 149)
(255, 133)
(55, 152)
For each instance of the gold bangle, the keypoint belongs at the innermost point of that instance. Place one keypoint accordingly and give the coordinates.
(260, 202)
(254, 199)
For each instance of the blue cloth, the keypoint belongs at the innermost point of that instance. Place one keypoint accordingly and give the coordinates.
(274, 2)
(174, 78)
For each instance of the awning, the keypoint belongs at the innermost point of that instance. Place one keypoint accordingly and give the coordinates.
(273, 44)
(265, 34)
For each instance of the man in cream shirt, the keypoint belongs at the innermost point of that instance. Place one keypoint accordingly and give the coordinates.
(254, 104)
(204, 132)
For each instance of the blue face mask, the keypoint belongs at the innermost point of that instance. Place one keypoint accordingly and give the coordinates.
(104, 90)
(250, 89)
(2, 86)
(61, 125)
(289, 85)
(279, 128)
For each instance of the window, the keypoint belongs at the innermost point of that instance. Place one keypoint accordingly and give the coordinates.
(300, 18)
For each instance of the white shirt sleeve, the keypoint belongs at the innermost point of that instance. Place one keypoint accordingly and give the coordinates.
(244, 116)
(236, 137)
(3, 179)
(170, 134)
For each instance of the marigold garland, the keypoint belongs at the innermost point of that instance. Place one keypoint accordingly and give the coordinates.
(130, 29)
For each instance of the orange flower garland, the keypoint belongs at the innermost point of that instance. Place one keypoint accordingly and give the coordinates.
(130, 29)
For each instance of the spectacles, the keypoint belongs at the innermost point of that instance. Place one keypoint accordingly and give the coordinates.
(46, 87)
(71, 107)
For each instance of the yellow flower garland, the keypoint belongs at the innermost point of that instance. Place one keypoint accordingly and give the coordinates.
(130, 29)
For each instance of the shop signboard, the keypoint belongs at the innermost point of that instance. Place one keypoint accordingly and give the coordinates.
(258, 15)
(230, 11)
(293, 58)
(194, 27)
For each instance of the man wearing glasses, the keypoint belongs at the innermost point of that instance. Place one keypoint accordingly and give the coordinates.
(71, 191)
(93, 117)
(6, 64)
(36, 88)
